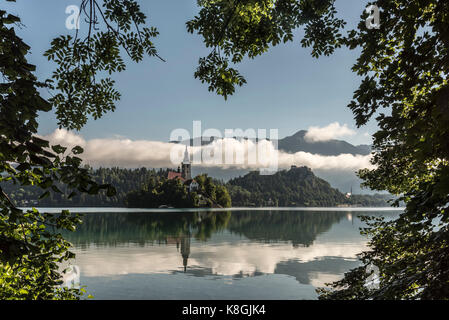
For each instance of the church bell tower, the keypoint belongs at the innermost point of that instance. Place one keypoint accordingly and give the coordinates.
(186, 166)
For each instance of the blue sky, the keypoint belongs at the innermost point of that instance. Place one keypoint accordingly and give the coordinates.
(287, 89)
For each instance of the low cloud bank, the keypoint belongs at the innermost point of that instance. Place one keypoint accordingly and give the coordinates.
(223, 153)
(329, 132)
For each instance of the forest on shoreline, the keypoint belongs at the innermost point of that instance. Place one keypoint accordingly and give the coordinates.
(297, 187)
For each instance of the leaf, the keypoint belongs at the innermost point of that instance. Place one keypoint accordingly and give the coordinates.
(77, 150)
(23, 167)
(58, 149)
(56, 189)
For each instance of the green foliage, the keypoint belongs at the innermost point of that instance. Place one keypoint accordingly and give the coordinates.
(31, 255)
(236, 29)
(215, 70)
(123, 180)
(81, 92)
(175, 193)
(405, 69)
(31, 246)
(222, 196)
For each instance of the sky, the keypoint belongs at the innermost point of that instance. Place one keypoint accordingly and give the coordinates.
(287, 89)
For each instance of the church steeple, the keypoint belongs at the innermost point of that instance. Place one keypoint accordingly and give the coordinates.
(186, 166)
(186, 156)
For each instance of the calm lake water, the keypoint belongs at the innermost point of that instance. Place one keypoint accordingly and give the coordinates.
(237, 254)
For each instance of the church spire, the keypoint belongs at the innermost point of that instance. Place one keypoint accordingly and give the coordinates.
(186, 157)
(186, 166)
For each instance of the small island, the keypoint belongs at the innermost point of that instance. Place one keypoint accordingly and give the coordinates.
(179, 190)
(161, 192)
(297, 187)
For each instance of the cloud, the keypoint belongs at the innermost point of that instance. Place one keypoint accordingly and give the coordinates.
(329, 132)
(315, 161)
(223, 153)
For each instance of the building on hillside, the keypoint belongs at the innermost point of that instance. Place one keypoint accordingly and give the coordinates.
(192, 185)
(175, 175)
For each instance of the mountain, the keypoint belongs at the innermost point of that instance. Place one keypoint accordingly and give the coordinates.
(297, 142)
(344, 180)
(297, 187)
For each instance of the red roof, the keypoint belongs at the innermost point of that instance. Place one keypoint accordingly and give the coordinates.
(174, 175)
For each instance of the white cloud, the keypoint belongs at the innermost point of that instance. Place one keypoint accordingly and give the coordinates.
(343, 161)
(245, 154)
(329, 132)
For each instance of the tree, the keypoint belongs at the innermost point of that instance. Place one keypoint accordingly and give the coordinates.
(174, 192)
(405, 68)
(236, 29)
(223, 197)
(31, 244)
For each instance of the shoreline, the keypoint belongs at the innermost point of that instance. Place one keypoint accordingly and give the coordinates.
(154, 210)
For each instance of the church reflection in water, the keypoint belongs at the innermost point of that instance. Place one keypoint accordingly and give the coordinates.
(183, 242)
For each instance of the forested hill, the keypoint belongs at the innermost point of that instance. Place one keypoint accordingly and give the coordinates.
(296, 187)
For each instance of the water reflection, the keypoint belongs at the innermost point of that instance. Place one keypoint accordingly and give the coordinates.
(300, 228)
(296, 247)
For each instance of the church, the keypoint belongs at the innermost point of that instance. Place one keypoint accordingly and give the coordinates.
(184, 173)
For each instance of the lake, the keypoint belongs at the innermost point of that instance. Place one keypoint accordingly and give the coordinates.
(220, 254)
